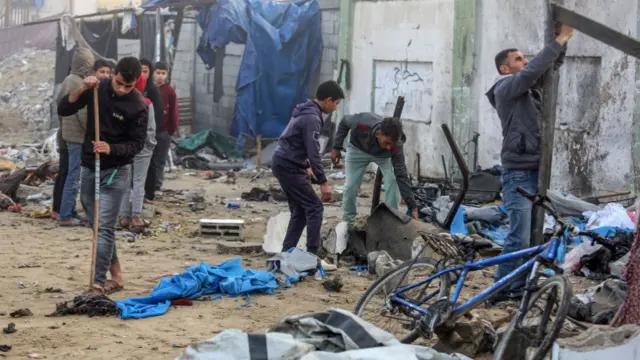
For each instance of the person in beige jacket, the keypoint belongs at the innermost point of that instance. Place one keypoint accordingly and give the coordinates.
(73, 130)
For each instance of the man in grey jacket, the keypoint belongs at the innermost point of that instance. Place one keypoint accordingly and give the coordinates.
(517, 98)
(73, 129)
(378, 140)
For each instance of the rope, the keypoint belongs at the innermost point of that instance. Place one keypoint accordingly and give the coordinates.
(75, 35)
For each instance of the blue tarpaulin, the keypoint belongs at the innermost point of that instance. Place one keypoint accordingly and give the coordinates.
(283, 47)
(228, 278)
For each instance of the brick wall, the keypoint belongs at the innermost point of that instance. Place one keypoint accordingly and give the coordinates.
(218, 115)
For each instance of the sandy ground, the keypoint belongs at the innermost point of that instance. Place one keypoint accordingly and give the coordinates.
(36, 255)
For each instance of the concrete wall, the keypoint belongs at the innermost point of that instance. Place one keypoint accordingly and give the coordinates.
(56, 7)
(404, 48)
(593, 141)
(218, 115)
(439, 54)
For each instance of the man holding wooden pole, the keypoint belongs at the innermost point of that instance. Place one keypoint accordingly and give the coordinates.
(116, 132)
(517, 98)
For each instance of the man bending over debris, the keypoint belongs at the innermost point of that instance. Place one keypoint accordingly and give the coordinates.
(517, 98)
(123, 130)
(379, 140)
(297, 160)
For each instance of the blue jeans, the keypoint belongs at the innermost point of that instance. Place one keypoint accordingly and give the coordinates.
(70, 192)
(113, 184)
(132, 207)
(520, 213)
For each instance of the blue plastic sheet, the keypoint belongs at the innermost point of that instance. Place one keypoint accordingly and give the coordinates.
(227, 278)
(283, 47)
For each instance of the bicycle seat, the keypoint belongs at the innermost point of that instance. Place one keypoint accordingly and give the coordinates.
(475, 245)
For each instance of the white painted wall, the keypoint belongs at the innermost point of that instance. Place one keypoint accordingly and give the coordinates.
(405, 48)
(56, 7)
(594, 151)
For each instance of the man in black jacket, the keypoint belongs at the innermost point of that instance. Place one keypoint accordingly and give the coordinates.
(123, 130)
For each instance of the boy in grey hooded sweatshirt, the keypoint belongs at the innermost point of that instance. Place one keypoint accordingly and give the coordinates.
(517, 98)
(73, 129)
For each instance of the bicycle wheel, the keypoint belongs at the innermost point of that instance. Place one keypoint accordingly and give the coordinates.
(377, 294)
(532, 338)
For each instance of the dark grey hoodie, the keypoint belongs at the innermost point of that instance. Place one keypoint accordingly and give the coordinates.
(517, 101)
(363, 127)
(300, 140)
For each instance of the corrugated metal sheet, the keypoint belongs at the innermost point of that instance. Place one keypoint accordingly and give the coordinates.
(16, 38)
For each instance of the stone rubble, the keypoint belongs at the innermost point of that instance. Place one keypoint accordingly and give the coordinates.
(26, 89)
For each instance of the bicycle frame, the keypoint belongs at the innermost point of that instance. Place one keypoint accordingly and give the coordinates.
(543, 253)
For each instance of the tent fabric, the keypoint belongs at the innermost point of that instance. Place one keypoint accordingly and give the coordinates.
(331, 335)
(227, 278)
(147, 29)
(283, 47)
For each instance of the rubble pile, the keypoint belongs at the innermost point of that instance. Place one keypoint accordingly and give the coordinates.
(26, 89)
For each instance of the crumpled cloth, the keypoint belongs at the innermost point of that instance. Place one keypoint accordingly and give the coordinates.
(227, 278)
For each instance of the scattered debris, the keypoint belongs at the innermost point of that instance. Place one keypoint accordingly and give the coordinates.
(91, 305)
(27, 84)
(28, 266)
(52, 290)
(333, 285)
(274, 194)
(21, 313)
(10, 329)
(36, 356)
(5, 348)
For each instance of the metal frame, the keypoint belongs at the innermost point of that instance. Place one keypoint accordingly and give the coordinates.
(543, 253)
(596, 30)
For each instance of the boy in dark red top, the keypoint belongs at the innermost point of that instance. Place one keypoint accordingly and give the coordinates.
(167, 128)
(169, 98)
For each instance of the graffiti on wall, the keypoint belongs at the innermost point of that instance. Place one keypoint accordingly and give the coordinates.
(413, 80)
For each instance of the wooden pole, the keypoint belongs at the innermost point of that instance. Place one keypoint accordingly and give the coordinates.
(96, 201)
(547, 130)
(259, 152)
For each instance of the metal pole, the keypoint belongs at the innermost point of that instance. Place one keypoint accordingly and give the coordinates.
(159, 28)
(377, 185)
(96, 199)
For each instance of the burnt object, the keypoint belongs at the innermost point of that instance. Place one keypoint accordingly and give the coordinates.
(90, 305)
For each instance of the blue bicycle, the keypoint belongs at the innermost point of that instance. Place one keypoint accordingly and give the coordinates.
(424, 307)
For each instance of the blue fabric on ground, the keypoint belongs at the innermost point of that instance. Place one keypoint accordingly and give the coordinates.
(227, 278)
(457, 225)
(495, 233)
(283, 47)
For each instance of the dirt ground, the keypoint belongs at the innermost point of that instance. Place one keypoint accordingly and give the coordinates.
(36, 255)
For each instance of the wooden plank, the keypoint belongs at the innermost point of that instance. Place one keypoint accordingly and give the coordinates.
(547, 129)
(596, 30)
(259, 154)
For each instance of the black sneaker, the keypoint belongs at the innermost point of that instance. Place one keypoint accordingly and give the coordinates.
(506, 297)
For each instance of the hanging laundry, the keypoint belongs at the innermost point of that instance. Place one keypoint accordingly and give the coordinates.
(102, 37)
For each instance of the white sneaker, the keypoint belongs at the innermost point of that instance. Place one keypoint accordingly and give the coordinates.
(328, 267)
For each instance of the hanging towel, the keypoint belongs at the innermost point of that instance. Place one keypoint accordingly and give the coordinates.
(227, 278)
